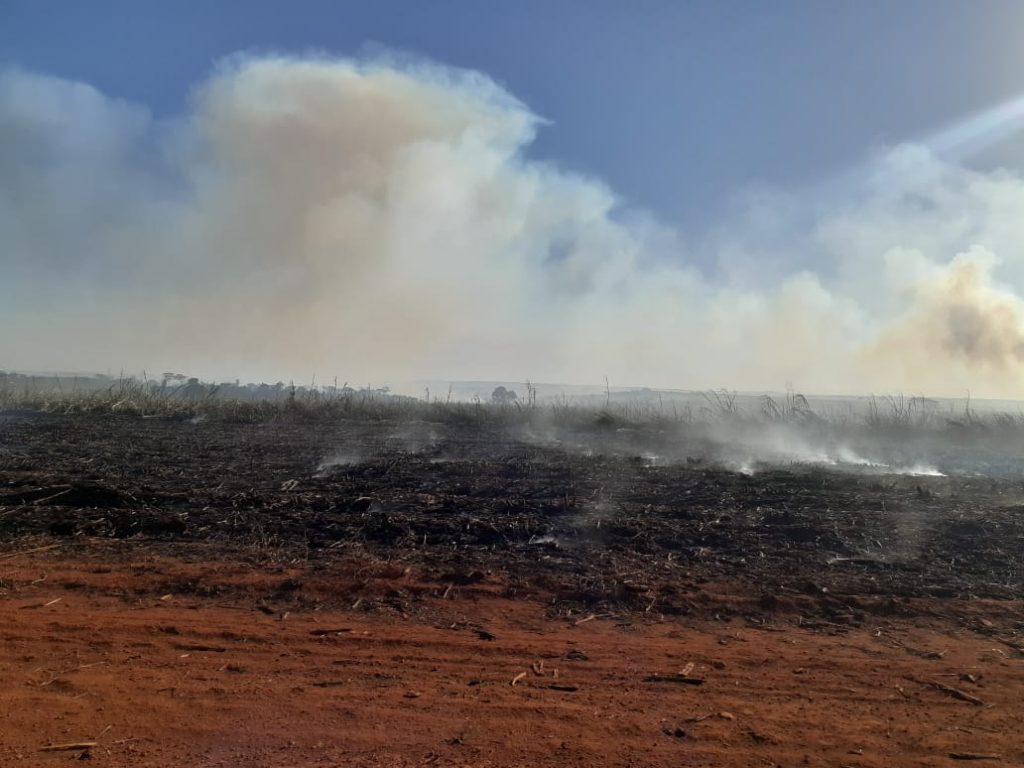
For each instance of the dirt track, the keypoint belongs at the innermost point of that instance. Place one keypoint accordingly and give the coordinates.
(221, 595)
(178, 679)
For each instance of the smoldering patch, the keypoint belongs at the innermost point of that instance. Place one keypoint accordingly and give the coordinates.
(416, 437)
(339, 459)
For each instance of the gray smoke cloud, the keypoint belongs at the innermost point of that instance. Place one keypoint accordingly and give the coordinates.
(382, 220)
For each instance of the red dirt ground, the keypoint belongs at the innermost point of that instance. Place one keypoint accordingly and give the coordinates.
(93, 650)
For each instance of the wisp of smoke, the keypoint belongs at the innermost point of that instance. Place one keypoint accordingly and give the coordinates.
(378, 219)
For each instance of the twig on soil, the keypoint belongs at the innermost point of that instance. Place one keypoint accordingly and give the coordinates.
(1010, 644)
(41, 605)
(323, 632)
(949, 690)
(974, 729)
(723, 715)
(71, 747)
(517, 678)
(37, 502)
(932, 655)
(682, 679)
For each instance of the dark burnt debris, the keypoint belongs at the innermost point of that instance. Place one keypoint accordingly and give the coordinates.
(600, 528)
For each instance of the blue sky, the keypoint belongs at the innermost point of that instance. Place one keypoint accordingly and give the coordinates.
(678, 106)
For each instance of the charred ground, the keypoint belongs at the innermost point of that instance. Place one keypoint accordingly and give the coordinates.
(593, 515)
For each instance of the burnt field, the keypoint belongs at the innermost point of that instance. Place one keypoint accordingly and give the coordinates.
(596, 515)
(307, 591)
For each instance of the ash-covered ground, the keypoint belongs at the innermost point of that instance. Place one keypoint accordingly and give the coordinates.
(597, 514)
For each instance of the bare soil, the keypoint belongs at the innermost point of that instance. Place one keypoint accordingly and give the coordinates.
(292, 594)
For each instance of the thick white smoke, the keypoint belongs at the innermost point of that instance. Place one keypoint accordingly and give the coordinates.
(380, 221)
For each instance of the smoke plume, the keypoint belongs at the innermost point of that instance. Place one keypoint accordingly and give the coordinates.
(381, 220)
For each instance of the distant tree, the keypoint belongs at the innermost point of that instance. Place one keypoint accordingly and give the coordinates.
(191, 389)
(502, 396)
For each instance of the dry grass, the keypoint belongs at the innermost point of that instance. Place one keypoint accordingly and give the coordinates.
(145, 399)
